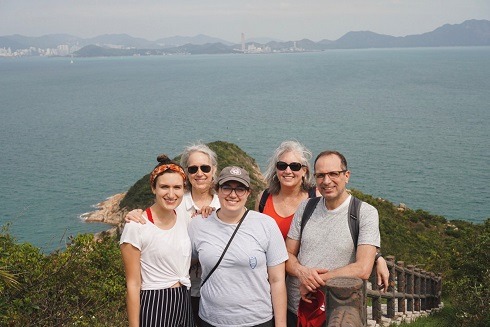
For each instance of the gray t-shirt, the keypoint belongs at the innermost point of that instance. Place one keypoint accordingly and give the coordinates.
(238, 292)
(327, 242)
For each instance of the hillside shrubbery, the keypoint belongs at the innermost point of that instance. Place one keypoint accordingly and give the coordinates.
(81, 286)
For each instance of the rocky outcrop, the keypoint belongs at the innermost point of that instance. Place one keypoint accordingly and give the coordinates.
(108, 211)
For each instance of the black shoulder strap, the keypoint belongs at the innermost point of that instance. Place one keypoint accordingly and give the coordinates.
(354, 214)
(309, 208)
(263, 200)
(312, 192)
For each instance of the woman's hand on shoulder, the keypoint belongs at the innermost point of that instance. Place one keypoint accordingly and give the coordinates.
(205, 211)
(135, 215)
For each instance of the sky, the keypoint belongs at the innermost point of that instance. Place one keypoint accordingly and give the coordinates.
(226, 19)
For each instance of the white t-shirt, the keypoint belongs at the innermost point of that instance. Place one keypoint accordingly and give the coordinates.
(238, 292)
(165, 254)
(187, 208)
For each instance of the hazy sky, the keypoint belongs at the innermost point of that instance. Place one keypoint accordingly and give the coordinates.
(227, 19)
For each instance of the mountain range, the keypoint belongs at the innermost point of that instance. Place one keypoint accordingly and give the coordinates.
(468, 33)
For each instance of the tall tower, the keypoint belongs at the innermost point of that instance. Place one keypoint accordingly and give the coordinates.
(243, 42)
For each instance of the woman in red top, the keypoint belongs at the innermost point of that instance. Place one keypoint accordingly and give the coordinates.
(288, 179)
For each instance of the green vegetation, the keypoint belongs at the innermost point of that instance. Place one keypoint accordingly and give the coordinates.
(446, 317)
(84, 284)
(81, 286)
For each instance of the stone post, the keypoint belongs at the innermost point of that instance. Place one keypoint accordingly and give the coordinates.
(346, 304)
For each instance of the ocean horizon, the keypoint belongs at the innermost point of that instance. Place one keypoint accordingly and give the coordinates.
(413, 124)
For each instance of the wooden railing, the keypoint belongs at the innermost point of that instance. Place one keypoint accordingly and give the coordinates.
(410, 289)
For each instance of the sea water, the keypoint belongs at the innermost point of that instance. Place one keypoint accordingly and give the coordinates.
(413, 124)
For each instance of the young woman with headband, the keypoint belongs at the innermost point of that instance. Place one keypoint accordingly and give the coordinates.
(157, 255)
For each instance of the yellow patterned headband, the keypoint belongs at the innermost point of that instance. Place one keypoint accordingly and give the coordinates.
(162, 168)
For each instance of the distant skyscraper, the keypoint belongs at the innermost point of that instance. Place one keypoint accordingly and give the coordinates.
(243, 42)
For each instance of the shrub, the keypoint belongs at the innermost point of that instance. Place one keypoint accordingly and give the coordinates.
(81, 286)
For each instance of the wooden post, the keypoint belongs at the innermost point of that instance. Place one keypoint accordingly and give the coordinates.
(423, 290)
(345, 302)
(439, 289)
(432, 290)
(391, 288)
(401, 285)
(410, 287)
(417, 290)
(376, 300)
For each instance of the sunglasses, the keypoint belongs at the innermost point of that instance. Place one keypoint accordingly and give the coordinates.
(295, 166)
(194, 169)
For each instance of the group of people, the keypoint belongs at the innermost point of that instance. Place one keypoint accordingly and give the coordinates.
(199, 257)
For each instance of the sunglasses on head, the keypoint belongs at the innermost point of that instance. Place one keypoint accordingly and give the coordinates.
(295, 166)
(194, 169)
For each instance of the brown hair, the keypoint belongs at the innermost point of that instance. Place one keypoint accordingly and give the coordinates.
(165, 165)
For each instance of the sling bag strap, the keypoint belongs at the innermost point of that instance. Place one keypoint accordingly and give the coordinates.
(354, 213)
(226, 248)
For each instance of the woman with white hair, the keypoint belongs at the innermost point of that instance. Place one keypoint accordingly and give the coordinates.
(200, 164)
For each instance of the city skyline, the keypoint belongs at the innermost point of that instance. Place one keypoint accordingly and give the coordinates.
(282, 20)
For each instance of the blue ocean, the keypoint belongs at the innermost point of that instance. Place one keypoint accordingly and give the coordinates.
(414, 125)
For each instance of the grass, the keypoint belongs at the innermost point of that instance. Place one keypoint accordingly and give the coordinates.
(444, 318)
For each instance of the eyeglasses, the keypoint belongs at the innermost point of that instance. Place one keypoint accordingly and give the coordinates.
(331, 174)
(239, 190)
(204, 169)
(295, 166)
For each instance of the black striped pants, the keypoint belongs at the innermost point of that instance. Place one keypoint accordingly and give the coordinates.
(170, 307)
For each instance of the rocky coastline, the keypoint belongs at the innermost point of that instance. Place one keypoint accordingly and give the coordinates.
(108, 212)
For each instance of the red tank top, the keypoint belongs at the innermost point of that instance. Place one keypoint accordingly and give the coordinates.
(149, 215)
(282, 222)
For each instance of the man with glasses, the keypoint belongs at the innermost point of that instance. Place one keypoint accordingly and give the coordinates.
(324, 248)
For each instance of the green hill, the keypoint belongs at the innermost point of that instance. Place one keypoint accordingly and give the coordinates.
(140, 196)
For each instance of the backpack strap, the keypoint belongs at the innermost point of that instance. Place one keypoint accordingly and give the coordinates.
(309, 208)
(263, 200)
(312, 192)
(354, 214)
